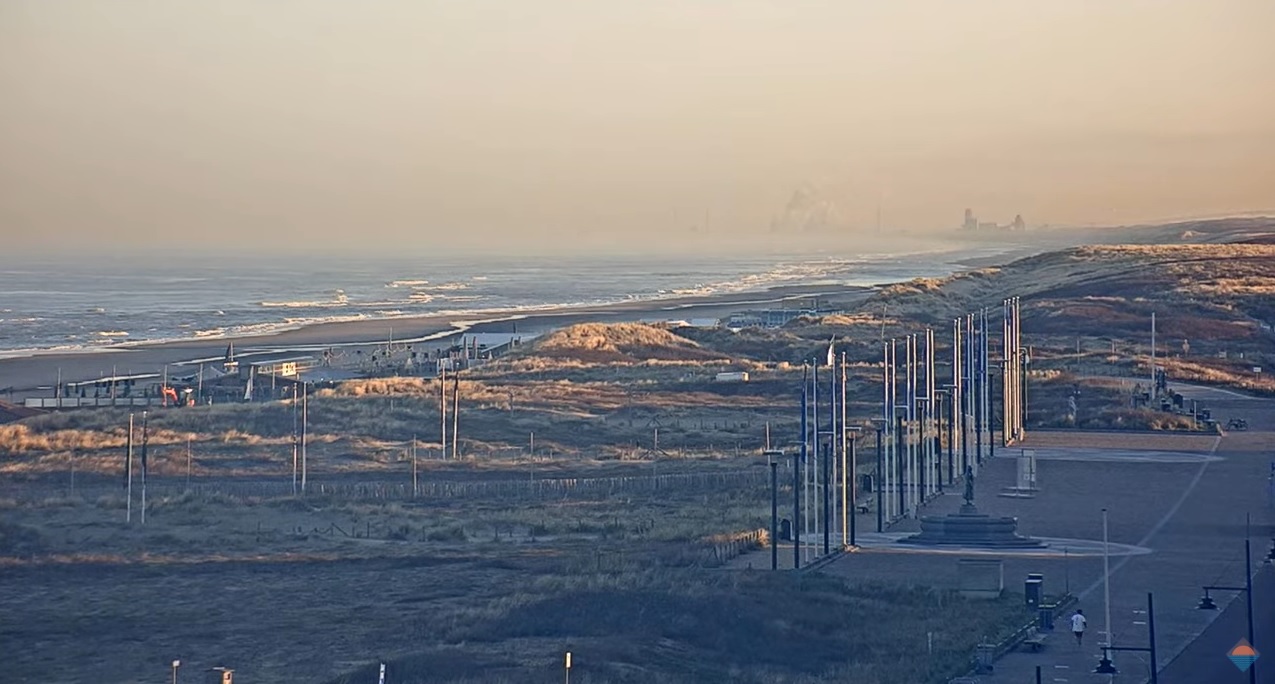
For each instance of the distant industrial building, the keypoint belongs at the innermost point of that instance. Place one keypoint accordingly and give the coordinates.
(972, 224)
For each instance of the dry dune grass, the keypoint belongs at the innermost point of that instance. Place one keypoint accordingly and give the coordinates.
(619, 343)
(1237, 274)
(20, 438)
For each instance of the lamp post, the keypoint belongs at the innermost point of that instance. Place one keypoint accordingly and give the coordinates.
(773, 456)
(1106, 577)
(879, 424)
(953, 406)
(849, 526)
(1105, 665)
(1207, 603)
(922, 452)
(176, 664)
(900, 415)
(940, 399)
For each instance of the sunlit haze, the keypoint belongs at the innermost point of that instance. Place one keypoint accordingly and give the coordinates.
(388, 126)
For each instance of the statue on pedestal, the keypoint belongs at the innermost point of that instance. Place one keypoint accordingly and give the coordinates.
(969, 486)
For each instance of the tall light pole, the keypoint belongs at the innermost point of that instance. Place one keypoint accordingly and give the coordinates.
(849, 473)
(176, 664)
(1106, 576)
(1105, 665)
(1207, 603)
(879, 424)
(773, 456)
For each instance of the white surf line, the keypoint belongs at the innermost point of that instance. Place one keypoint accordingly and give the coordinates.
(1159, 525)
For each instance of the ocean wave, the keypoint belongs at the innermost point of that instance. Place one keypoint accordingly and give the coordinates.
(591, 287)
(339, 298)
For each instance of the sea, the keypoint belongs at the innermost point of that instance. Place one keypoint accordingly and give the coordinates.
(52, 305)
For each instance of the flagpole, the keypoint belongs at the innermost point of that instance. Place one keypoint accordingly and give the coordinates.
(295, 454)
(305, 418)
(128, 510)
(145, 436)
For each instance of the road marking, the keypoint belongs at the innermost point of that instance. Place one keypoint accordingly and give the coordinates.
(1062, 667)
(1199, 474)
(1139, 622)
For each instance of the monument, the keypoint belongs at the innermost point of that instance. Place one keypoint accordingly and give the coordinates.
(969, 528)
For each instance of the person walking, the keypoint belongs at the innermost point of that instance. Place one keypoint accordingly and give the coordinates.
(1078, 623)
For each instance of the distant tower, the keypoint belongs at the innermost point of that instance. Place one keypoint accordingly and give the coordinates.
(971, 221)
(1019, 224)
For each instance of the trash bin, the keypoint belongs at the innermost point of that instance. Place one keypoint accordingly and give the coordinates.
(984, 656)
(1046, 618)
(785, 530)
(865, 483)
(1033, 590)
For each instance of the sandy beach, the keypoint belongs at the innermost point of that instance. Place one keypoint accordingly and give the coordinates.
(35, 375)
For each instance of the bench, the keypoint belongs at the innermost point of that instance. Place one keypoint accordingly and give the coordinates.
(1035, 639)
(864, 505)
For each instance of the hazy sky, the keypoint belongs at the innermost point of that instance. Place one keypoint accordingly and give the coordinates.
(399, 125)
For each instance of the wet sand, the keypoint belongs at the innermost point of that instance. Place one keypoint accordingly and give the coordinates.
(35, 375)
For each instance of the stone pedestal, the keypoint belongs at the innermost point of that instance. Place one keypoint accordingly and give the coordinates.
(969, 528)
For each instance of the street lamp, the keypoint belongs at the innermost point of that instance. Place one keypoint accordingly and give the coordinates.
(900, 447)
(773, 456)
(879, 424)
(176, 664)
(950, 391)
(849, 526)
(1105, 666)
(921, 404)
(1207, 603)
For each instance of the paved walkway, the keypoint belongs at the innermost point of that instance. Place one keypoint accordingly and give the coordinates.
(1190, 511)
(1198, 540)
